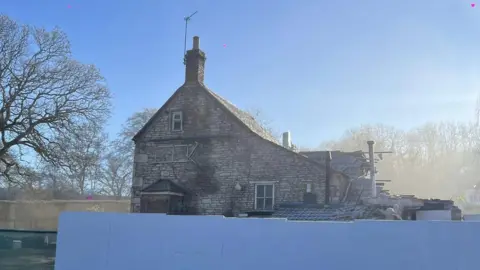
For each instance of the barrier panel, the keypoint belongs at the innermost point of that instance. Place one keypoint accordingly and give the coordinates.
(114, 241)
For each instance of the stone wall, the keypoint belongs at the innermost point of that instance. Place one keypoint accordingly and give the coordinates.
(43, 215)
(227, 153)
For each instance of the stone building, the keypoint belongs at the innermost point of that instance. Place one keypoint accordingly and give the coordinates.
(199, 154)
(355, 166)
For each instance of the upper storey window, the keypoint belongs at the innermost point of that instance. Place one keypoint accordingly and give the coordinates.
(177, 121)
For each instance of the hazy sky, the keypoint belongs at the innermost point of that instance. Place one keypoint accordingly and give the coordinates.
(314, 67)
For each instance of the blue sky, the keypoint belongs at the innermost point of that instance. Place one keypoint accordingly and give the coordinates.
(314, 67)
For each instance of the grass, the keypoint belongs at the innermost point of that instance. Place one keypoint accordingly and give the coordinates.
(27, 259)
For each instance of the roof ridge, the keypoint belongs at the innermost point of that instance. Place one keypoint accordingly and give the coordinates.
(246, 118)
(257, 129)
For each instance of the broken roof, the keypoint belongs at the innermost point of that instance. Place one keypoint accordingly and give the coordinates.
(343, 213)
(355, 159)
(351, 164)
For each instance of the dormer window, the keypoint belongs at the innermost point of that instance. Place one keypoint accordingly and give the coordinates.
(177, 121)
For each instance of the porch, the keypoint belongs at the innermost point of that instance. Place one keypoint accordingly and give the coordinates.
(163, 196)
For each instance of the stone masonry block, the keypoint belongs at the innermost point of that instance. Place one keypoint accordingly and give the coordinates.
(138, 181)
(141, 158)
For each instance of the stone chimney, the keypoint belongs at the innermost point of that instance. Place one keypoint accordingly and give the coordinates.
(195, 63)
(287, 140)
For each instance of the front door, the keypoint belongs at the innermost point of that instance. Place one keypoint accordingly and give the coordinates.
(154, 204)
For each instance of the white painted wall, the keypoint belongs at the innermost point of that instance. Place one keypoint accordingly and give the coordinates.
(434, 215)
(114, 241)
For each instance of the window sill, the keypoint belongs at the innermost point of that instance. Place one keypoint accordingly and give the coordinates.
(259, 213)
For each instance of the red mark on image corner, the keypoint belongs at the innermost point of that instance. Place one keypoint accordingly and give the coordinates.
(473, 5)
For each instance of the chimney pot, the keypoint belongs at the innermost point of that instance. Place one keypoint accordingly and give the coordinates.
(287, 140)
(196, 43)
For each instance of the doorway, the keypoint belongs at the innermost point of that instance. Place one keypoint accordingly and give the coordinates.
(154, 204)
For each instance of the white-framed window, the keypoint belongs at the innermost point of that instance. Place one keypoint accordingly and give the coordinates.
(264, 196)
(309, 188)
(177, 121)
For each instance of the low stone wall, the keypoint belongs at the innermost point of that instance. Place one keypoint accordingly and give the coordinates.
(43, 215)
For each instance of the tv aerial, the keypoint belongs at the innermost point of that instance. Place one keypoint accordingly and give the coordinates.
(187, 19)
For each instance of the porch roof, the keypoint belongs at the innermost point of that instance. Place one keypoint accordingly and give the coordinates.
(164, 185)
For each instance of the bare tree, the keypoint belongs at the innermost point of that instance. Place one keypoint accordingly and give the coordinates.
(477, 111)
(264, 121)
(56, 182)
(116, 174)
(44, 94)
(81, 154)
(134, 123)
(432, 160)
(117, 164)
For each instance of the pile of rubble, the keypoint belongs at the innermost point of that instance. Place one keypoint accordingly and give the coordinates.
(334, 213)
(383, 207)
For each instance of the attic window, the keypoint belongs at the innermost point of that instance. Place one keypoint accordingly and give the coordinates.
(177, 121)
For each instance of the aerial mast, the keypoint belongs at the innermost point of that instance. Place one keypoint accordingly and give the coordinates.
(187, 19)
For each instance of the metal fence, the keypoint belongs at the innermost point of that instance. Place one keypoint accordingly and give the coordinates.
(27, 250)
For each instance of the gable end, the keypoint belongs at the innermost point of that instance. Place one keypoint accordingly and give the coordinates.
(159, 112)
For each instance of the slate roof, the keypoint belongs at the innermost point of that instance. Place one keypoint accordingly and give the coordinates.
(164, 185)
(244, 117)
(344, 213)
(249, 121)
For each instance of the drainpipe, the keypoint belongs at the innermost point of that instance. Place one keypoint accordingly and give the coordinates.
(372, 168)
(328, 171)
